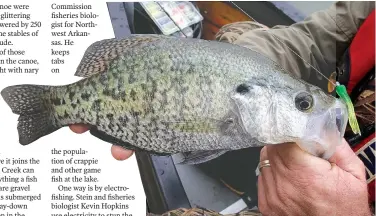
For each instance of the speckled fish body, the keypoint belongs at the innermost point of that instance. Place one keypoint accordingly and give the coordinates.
(168, 95)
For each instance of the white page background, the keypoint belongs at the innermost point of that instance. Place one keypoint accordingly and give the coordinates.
(117, 173)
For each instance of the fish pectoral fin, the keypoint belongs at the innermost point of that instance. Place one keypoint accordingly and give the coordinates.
(110, 139)
(198, 157)
(99, 55)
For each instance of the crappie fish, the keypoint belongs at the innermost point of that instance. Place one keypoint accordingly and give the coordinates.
(167, 95)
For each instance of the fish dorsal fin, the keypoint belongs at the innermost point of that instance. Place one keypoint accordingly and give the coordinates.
(99, 55)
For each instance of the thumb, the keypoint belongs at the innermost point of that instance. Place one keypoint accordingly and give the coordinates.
(345, 158)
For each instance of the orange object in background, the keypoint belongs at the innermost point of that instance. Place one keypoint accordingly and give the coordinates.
(209, 30)
(216, 15)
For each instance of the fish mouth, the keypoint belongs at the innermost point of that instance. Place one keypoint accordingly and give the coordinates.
(341, 116)
(325, 132)
(335, 124)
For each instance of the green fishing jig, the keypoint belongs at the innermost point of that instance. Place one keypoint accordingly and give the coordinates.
(342, 93)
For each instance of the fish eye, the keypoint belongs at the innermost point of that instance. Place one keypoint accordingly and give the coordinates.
(303, 101)
(242, 89)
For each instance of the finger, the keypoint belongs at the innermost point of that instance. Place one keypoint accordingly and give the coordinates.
(261, 196)
(79, 128)
(266, 178)
(290, 157)
(265, 171)
(263, 192)
(119, 153)
(345, 158)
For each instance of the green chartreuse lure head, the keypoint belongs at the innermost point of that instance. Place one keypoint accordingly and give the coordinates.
(342, 93)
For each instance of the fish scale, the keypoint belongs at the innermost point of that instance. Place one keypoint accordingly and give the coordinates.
(167, 95)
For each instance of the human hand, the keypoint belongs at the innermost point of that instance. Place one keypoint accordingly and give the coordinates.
(297, 183)
(117, 152)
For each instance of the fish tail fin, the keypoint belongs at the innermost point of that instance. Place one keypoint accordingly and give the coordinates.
(29, 101)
